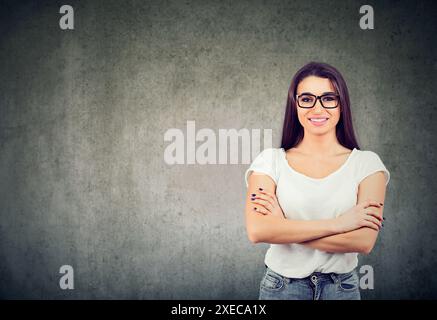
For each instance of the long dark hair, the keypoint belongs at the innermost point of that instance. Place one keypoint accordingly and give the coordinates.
(293, 132)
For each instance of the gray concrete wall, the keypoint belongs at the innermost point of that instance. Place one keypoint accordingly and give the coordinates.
(83, 115)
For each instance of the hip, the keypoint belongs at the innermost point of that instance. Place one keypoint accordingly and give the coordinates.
(316, 286)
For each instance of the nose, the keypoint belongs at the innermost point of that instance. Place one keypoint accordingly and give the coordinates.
(318, 106)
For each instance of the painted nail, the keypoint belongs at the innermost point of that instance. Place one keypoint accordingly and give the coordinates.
(253, 194)
(261, 189)
(381, 203)
(255, 208)
(252, 199)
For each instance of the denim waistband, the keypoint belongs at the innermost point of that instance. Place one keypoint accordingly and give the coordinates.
(316, 276)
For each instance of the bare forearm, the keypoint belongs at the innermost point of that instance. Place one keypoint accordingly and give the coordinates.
(275, 230)
(360, 240)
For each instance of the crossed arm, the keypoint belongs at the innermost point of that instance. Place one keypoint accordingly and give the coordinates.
(319, 234)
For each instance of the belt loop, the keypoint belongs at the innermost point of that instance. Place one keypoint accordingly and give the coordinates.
(334, 277)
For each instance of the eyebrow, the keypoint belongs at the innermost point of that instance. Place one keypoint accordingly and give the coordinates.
(330, 92)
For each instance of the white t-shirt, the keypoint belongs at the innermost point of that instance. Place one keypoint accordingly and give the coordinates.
(305, 198)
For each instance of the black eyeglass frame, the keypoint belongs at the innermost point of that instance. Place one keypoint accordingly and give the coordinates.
(317, 98)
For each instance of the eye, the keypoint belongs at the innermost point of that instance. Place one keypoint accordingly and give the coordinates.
(306, 98)
(329, 98)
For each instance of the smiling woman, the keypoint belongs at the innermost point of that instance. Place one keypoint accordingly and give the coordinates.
(318, 200)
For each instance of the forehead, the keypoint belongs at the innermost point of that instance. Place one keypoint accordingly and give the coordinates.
(315, 85)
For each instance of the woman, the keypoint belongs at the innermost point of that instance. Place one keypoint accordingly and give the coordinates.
(318, 200)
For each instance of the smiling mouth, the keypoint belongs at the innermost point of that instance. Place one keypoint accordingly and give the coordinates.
(318, 121)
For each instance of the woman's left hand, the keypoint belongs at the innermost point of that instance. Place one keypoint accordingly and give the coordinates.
(267, 203)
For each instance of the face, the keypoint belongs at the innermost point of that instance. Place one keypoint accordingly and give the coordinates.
(317, 86)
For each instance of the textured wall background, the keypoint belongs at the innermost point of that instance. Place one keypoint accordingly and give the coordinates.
(83, 115)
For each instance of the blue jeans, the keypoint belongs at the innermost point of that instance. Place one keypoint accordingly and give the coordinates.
(317, 286)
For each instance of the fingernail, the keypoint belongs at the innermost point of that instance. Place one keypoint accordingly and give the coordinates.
(261, 189)
(252, 199)
(253, 194)
(382, 224)
(255, 208)
(383, 218)
(381, 203)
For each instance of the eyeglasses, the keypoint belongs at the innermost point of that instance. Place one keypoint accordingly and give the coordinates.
(307, 100)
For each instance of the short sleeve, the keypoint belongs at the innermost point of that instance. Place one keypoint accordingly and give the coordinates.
(264, 163)
(369, 164)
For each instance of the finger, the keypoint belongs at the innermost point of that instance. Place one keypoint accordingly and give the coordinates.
(371, 225)
(261, 209)
(263, 203)
(268, 194)
(259, 205)
(371, 212)
(377, 215)
(263, 197)
(369, 202)
(374, 220)
(268, 197)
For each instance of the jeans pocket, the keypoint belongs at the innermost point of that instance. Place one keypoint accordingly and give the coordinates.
(348, 281)
(272, 281)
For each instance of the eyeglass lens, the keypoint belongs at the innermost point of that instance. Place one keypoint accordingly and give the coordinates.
(308, 101)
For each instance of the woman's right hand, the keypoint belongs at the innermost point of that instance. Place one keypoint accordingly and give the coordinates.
(361, 215)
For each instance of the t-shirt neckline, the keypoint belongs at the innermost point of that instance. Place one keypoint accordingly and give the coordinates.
(318, 179)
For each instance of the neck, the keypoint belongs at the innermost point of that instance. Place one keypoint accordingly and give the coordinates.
(322, 145)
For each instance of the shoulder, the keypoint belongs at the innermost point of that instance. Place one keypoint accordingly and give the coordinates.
(266, 163)
(367, 155)
(368, 163)
(271, 154)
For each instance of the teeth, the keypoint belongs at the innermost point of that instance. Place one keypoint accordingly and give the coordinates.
(318, 120)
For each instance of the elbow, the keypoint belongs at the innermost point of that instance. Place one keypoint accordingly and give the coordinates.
(367, 241)
(366, 248)
(254, 236)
